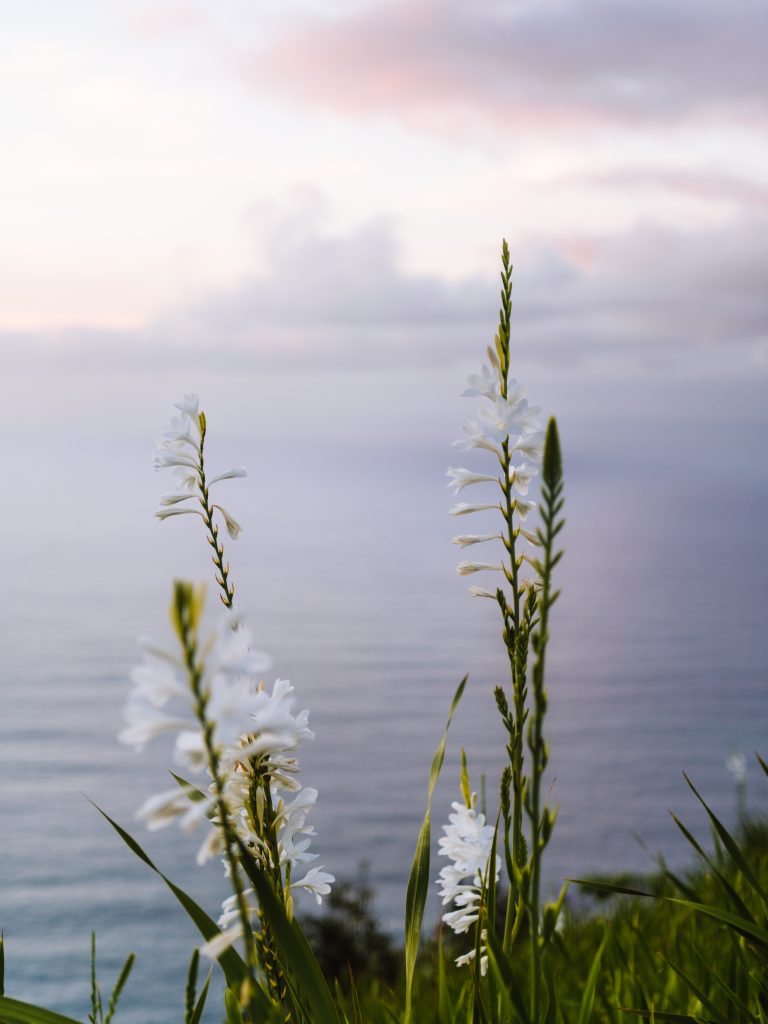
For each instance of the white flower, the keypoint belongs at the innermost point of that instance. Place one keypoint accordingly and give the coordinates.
(231, 474)
(234, 529)
(466, 568)
(315, 881)
(467, 842)
(520, 477)
(461, 478)
(173, 498)
(463, 509)
(474, 438)
(531, 447)
(227, 682)
(180, 448)
(485, 384)
(167, 513)
(508, 417)
(145, 722)
(163, 808)
(523, 508)
(736, 766)
(480, 592)
(464, 540)
(190, 406)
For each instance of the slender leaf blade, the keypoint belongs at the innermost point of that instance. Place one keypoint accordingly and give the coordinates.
(296, 958)
(230, 960)
(418, 880)
(12, 1011)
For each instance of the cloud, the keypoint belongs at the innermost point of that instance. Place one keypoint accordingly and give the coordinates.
(540, 63)
(719, 188)
(651, 297)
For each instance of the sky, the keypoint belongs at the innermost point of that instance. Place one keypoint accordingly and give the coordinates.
(315, 191)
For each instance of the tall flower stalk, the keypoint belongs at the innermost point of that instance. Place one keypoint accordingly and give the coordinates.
(181, 447)
(243, 735)
(507, 428)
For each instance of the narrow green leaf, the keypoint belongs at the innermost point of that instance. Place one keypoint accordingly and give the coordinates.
(232, 1006)
(296, 956)
(667, 1018)
(588, 996)
(442, 986)
(746, 928)
(14, 1012)
(762, 763)
(621, 890)
(230, 960)
(189, 1000)
(194, 794)
(731, 845)
(2, 964)
(703, 998)
(549, 981)
(356, 1008)
(730, 892)
(725, 988)
(119, 986)
(418, 880)
(502, 966)
(197, 1015)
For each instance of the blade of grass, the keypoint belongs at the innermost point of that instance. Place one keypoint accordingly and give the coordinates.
(702, 997)
(730, 844)
(588, 996)
(502, 966)
(12, 1011)
(418, 880)
(231, 962)
(200, 1006)
(296, 956)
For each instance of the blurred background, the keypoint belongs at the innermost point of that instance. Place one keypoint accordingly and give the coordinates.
(296, 210)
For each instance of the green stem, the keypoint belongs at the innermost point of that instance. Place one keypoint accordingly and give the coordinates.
(222, 568)
(195, 675)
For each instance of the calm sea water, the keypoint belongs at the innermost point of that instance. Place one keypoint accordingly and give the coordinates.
(659, 665)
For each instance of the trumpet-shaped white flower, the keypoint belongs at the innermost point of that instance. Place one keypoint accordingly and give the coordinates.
(506, 418)
(228, 682)
(467, 841)
(317, 881)
(180, 447)
(484, 384)
(520, 477)
(461, 478)
(465, 540)
(467, 568)
(530, 447)
(464, 509)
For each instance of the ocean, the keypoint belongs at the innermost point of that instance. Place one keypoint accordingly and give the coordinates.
(659, 663)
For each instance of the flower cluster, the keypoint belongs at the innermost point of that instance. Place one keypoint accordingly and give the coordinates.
(468, 842)
(255, 735)
(509, 428)
(230, 725)
(180, 448)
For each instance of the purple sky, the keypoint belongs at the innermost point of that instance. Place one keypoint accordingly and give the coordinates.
(324, 184)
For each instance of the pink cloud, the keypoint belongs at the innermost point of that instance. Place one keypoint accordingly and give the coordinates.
(542, 63)
(714, 187)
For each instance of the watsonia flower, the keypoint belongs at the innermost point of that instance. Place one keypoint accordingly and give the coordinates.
(181, 448)
(467, 842)
(506, 426)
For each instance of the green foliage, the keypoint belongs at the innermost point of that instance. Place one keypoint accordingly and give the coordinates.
(418, 880)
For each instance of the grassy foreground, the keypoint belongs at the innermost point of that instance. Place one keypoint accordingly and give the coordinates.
(616, 956)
